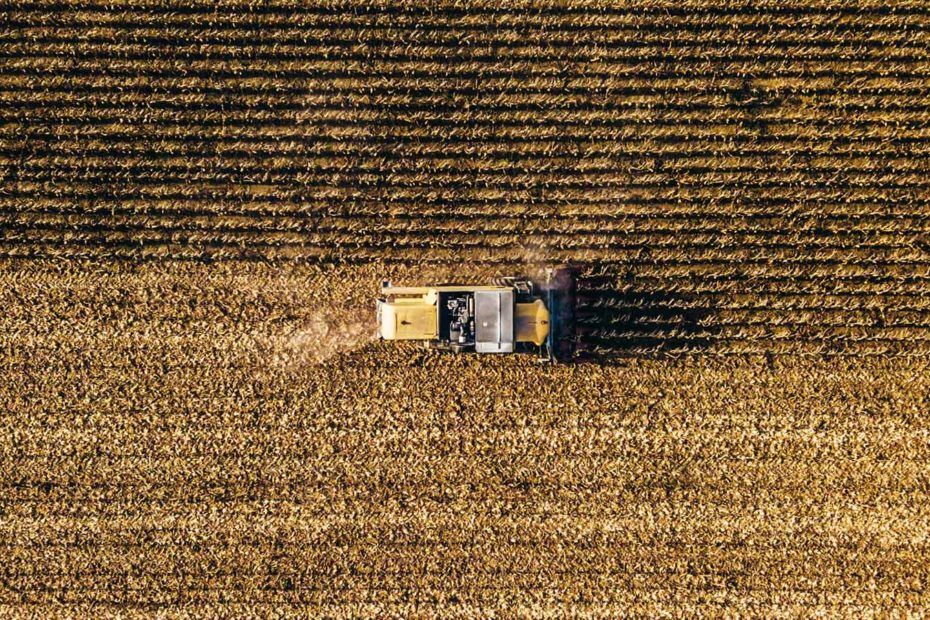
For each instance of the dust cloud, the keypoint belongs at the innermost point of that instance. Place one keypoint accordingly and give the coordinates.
(321, 337)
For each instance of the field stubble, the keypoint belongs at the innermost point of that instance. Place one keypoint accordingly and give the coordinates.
(227, 438)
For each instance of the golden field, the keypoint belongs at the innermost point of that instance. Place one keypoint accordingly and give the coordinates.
(199, 201)
(189, 439)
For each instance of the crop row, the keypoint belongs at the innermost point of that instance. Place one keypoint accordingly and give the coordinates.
(676, 151)
(382, 132)
(467, 172)
(829, 219)
(612, 202)
(596, 19)
(135, 45)
(176, 75)
(684, 233)
(17, 109)
(40, 61)
(511, 250)
(698, 246)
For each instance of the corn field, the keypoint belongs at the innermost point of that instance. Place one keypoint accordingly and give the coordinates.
(199, 200)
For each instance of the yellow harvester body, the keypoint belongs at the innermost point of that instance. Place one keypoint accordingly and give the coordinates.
(412, 314)
(513, 314)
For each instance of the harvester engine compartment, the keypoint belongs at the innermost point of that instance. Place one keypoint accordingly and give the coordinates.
(457, 319)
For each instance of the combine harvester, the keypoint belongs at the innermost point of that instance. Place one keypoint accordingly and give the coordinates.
(513, 314)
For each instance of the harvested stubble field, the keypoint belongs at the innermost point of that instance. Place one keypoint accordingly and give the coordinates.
(198, 201)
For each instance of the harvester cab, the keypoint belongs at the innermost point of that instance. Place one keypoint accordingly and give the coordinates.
(511, 314)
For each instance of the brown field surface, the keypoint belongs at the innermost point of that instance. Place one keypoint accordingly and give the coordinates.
(199, 200)
(186, 438)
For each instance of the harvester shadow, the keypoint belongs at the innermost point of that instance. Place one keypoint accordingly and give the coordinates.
(615, 318)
